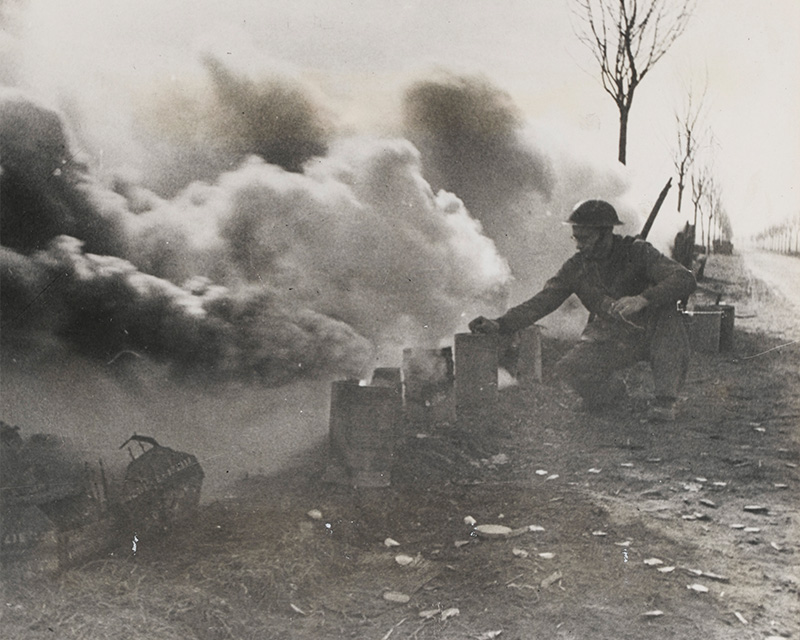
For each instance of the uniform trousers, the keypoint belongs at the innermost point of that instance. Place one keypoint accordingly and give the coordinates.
(609, 346)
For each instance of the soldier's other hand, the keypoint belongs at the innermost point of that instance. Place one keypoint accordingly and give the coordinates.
(628, 305)
(484, 325)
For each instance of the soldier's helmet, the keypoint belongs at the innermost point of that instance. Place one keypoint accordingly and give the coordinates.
(594, 213)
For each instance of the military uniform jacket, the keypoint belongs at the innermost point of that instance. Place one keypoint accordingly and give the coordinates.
(631, 267)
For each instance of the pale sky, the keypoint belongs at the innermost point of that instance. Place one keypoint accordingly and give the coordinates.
(100, 55)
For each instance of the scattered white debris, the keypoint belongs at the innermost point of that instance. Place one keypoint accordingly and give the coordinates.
(297, 609)
(460, 543)
(719, 483)
(500, 458)
(315, 514)
(391, 542)
(626, 464)
(752, 529)
(755, 508)
(696, 516)
(551, 579)
(694, 487)
(780, 485)
(493, 530)
(740, 617)
(653, 460)
(669, 569)
(776, 546)
(593, 470)
(714, 576)
(624, 543)
(541, 472)
(791, 465)
(422, 436)
(760, 429)
(429, 613)
(701, 480)
(699, 588)
(470, 521)
(520, 553)
(450, 613)
(653, 562)
(547, 555)
(708, 503)
(490, 635)
(396, 596)
(737, 526)
(535, 527)
(599, 533)
(403, 560)
(552, 476)
(655, 613)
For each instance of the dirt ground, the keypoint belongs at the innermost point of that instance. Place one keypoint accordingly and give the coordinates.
(621, 528)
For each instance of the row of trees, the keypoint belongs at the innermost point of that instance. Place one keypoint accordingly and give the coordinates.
(693, 159)
(627, 38)
(781, 238)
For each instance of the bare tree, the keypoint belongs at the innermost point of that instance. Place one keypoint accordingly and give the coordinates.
(700, 182)
(711, 193)
(689, 136)
(628, 37)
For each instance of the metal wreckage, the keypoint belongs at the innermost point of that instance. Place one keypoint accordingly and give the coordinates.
(58, 509)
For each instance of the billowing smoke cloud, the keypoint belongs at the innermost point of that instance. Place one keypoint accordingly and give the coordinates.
(264, 275)
(197, 132)
(360, 236)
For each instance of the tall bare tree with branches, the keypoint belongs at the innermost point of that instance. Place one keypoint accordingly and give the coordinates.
(627, 38)
(690, 135)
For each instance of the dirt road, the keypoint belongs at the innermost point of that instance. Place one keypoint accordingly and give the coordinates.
(620, 528)
(778, 271)
(781, 275)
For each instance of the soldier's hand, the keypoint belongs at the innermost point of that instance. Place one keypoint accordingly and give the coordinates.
(484, 325)
(628, 305)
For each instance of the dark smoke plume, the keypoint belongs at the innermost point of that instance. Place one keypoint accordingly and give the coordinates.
(104, 306)
(44, 190)
(274, 120)
(469, 135)
(199, 137)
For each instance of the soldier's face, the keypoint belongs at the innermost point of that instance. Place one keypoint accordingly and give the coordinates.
(585, 238)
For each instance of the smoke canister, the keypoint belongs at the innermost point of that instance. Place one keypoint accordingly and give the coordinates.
(362, 432)
(704, 329)
(475, 372)
(336, 469)
(520, 354)
(390, 377)
(727, 319)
